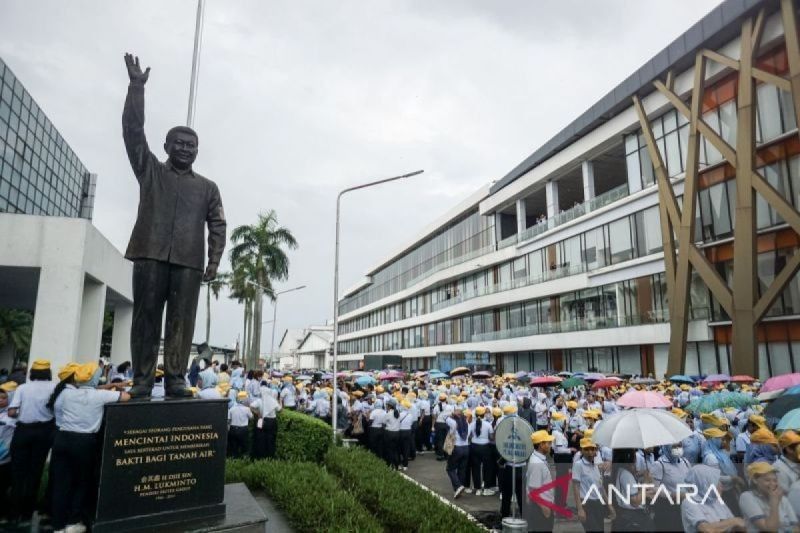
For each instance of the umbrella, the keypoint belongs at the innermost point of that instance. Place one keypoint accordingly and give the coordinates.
(303, 377)
(720, 400)
(593, 376)
(436, 374)
(521, 374)
(343, 374)
(644, 381)
(769, 396)
(784, 381)
(780, 406)
(327, 375)
(792, 390)
(572, 382)
(790, 420)
(459, 371)
(390, 374)
(420, 374)
(717, 378)
(605, 383)
(679, 378)
(509, 375)
(640, 428)
(565, 374)
(545, 380)
(365, 380)
(638, 398)
(741, 378)
(483, 374)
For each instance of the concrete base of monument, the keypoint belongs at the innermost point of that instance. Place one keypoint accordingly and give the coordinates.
(239, 513)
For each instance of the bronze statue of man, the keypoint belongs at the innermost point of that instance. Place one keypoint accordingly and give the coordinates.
(167, 244)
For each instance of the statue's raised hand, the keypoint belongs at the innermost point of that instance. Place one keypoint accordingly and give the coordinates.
(135, 71)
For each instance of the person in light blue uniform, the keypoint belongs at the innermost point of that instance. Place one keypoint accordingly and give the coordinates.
(78, 406)
(7, 425)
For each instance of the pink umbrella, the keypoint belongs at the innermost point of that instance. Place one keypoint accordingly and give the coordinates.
(391, 374)
(643, 398)
(545, 380)
(784, 381)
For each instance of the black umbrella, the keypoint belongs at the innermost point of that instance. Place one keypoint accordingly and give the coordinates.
(780, 406)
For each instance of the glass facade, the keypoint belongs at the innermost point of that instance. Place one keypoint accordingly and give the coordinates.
(39, 172)
(629, 237)
(462, 239)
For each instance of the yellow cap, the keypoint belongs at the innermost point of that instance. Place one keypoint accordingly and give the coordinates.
(497, 412)
(758, 420)
(788, 438)
(685, 387)
(67, 371)
(85, 372)
(9, 386)
(588, 433)
(159, 373)
(287, 378)
(589, 413)
(537, 437)
(406, 404)
(509, 409)
(443, 397)
(40, 364)
(759, 468)
(358, 393)
(763, 436)
(379, 389)
(558, 415)
(713, 420)
(713, 433)
(480, 410)
(572, 404)
(241, 395)
(680, 413)
(587, 443)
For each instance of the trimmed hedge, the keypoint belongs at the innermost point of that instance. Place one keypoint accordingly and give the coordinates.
(396, 502)
(310, 498)
(302, 437)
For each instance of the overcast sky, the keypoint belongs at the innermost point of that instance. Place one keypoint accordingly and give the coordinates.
(298, 99)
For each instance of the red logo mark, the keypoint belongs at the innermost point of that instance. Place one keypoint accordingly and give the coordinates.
(563, 483)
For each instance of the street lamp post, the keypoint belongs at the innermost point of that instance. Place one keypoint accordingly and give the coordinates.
(274, 316)
(336, 285)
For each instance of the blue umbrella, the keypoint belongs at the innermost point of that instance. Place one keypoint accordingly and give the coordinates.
(363, 381)
(720, 400)
(682, 379)
(435, 374)
(792, 390)
(790, 420)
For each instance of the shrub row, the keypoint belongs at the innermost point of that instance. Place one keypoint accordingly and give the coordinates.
(301, 437)
(310, 498)
(399, 504)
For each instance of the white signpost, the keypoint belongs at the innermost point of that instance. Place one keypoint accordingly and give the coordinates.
(513, 440)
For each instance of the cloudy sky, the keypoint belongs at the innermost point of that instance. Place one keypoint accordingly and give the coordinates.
(298, 99)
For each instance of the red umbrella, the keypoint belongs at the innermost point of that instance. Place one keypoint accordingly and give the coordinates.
(743, 379)
(545, 380)
(605, 384)
(643, 398)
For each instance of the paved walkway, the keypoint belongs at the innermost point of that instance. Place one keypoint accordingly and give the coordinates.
(427, 471)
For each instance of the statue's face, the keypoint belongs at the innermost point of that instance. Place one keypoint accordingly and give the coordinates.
(181, 148)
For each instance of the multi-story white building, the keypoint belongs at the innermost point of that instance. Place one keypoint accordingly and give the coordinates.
(561, 264)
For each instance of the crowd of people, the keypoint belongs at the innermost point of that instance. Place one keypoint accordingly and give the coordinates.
(745, 473)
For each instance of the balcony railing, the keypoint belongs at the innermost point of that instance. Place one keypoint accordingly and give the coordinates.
(574, 212)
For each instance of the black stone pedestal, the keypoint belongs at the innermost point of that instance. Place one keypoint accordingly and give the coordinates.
(163, 463)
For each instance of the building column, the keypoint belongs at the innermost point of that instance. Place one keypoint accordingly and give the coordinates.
(498, 228)
(551, 194)
(93, 308)
(121, 337)
(521, 216)
(587, 170)
(56, 321)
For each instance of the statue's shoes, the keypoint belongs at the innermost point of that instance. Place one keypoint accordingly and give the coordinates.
(139, 391)
(179, 392)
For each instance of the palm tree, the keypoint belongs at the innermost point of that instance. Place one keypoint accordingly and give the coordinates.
(213, 287)
(260, 247)
(16, 329)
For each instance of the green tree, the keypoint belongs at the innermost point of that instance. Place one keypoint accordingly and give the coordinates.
(214, 287)
(261, 246)
(16, 329)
